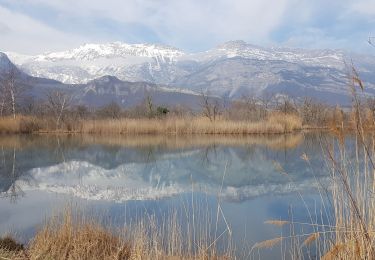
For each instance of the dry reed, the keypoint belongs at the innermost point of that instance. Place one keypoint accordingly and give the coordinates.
(72, 234)
(310, 239)
(268, 243)
(276, 123)
(278, 223)
(350, 233)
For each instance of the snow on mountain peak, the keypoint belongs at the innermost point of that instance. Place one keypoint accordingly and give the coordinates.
(325, 58)
(129, 62)
(115, 49)
(233, 68)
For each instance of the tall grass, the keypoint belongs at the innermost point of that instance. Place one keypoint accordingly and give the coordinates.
(70, 237)
(276, 123)
(20, 124)
(196, 125)
(73, 234)
(346, 229)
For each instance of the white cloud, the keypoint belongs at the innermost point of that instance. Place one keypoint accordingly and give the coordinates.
(217, 21)
(24, 34)
(4, 29)
(314, 38)
(365, 7)
(182, 23)
(188, 24)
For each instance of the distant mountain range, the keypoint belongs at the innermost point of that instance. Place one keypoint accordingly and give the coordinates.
(102, 91)
(98, 73)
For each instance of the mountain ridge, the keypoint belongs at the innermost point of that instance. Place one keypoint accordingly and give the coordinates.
(230, 70)
(103, 90)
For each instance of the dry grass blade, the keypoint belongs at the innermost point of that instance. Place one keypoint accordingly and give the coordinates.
(310, 239)
(334, 252)
(11, 255)
(268, 243)
(357, 79)
(278, 223)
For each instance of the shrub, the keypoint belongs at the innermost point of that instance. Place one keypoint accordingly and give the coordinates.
(9, 244)
(162, 111)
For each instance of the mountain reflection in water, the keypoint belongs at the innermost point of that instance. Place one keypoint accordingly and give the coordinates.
(255, 177)
(152, 167)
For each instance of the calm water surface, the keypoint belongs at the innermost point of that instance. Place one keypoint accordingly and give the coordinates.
(256, 178)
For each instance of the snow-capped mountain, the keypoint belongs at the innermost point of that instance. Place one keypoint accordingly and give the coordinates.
(145, 62)
(232, 49)
(129, 62)
(103, 90)
(232, 69)
(117, 49)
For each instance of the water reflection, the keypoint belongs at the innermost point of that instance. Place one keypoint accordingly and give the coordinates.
(126, 176)
(153, 167)
(9, 185)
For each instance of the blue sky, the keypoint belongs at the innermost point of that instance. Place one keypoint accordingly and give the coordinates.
(35, 26)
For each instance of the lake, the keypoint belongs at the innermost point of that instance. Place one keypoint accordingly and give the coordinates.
(254, 179)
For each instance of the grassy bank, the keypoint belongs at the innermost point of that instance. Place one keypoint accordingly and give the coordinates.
(74, 235)
(276, 123)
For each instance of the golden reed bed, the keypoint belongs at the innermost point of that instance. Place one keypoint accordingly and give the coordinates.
(276, 123)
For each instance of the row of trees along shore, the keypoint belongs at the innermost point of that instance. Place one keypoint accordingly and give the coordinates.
(59, 110)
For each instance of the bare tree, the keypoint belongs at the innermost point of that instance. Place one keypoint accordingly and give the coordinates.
(2, 97)
(81, 111)
(58, 104)
(287, 105)
(10, 92)
(313, 112)
(210, 106)
(267, 99)
(149, 106)
(29, 105)
(255, 108)
(245, 108)
(112, 110)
